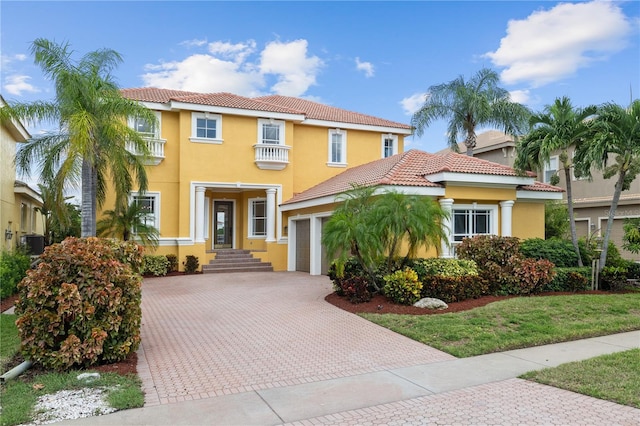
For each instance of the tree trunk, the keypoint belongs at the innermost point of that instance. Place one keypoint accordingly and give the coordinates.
(88, 213)
(612, 212)
(572, 220)
(470, 143)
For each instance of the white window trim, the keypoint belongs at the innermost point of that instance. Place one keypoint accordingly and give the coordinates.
(250, 203)
(157, 130)
(156, 213)
(493, 223)
(547, 167)
(385, 136)
(342, 163)
(209, 116)
(280, 124)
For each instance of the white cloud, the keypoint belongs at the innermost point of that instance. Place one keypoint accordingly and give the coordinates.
(550, 45)
(227, 67)
(367, 67)
(413, 103)
(18, 84)
(520, 96)
(204, 73)
(289, 61)
(193, 43)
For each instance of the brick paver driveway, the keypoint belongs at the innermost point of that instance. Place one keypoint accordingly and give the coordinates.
(214, 334)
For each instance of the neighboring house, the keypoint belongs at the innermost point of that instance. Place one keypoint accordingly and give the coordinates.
(20, 217)
(261, 174)
(592, 199)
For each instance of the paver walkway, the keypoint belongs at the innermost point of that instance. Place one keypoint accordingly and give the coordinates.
(266, 349)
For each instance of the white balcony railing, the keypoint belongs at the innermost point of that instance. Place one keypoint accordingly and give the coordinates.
(271, 156)
(156, 150)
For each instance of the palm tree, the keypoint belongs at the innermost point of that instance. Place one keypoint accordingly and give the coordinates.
(556, 129)
(398, 218)
(126, 222)
(90, 143)
(53, 210)
(616, 133)
(467, 105)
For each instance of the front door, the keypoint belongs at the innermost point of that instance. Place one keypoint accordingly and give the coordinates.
(223, 220)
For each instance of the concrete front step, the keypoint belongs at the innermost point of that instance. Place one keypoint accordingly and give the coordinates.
(236, 261)
(260, 267)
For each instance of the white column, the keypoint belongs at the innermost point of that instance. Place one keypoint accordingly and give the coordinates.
(271, 215)
(507, 208)
(200, 214)
(447, 207)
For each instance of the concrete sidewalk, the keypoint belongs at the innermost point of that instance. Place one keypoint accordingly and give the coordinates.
(477, 390)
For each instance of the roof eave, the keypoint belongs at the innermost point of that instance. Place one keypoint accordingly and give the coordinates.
(354, 126)
(479, 179)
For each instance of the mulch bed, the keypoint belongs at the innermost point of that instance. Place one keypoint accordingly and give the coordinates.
(382, 305)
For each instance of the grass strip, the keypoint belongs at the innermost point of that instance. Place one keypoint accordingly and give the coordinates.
(519, 323)
(614, 377)
(9, 340)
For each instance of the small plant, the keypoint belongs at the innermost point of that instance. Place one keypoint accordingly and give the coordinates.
(403, 286)
(613, 278)
(173, 262)
(570, 279)
(13, 268)
(444, 267)
(155, 265)
(81, 306)
(454, 289)
(191, 264)
(356, 289)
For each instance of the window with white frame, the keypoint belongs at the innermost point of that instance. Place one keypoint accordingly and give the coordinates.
(271, 132)
(206, 127)
(389, 145)
(550, 168)
(257, 218)
(337, 147)
(149, 203)
(24, 216)
(469, 221)
(146, 128)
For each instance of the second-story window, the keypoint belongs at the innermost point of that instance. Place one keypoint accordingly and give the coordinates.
(337, 147)
(271, 132)
(389, 145)
(550, 169)
(146, 128)
(206, 127)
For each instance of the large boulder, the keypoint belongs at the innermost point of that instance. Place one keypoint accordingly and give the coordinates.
(431, 303)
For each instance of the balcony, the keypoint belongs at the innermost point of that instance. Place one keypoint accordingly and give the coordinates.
(156, 149)
(271, 156)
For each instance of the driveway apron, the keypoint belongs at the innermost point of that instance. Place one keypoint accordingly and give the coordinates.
(209, 335)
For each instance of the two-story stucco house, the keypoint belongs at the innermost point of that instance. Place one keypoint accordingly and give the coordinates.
(20, 217)
(261, 174)
(592, 199)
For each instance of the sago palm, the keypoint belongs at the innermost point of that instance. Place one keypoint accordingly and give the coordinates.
(468, 105)
(559, 127)
(89, 145)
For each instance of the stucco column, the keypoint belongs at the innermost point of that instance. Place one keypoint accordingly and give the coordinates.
(447, 206)
(506, 210)
(271, 215)
(200, 214)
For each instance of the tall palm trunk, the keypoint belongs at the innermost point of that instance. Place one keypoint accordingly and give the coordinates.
(88, 214)
(470, 143)
(572, 220)
(612, 212)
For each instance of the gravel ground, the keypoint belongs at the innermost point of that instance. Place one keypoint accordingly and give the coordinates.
(69, 405)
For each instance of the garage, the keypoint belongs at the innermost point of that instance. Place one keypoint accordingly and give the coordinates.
(303, 245)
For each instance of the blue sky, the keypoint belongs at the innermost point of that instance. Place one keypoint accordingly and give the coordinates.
(376, 58)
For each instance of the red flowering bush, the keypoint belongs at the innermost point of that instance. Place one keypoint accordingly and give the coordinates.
(81, 306)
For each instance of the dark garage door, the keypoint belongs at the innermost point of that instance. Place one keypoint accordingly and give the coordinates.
(303, 237)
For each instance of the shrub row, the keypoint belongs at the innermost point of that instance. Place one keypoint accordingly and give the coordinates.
(161, 265)
(13, 268)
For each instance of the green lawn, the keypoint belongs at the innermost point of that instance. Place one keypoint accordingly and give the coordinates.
(519, 322)
(9, 340)
(614, 377)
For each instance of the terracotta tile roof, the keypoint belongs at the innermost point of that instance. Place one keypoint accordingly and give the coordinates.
(410, 169)
(461, 163)
(223, 99)
(318, 111)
